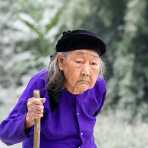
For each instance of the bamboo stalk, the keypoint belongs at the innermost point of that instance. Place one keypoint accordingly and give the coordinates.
(36, 94)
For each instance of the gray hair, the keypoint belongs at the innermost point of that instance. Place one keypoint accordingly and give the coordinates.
(55, 81)
(55, 75)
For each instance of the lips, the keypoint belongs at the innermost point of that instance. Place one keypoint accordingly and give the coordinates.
(83, 82)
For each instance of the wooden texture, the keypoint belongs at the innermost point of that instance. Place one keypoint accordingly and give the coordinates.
(36, 94)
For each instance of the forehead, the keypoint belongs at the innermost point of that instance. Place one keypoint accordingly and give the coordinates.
(84, 52)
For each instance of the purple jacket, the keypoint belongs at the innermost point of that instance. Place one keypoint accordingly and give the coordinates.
(70, 126)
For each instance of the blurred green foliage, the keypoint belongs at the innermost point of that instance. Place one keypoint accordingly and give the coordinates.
(41, 30)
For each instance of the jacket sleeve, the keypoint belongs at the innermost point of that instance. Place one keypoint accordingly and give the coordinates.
(101, 89)
(12, 129)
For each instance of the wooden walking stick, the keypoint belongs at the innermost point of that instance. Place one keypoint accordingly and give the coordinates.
(36, 94)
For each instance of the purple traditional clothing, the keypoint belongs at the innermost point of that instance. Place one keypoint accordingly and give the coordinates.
(70, 126)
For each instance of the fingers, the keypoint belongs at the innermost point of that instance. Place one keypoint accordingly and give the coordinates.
(36, 101)
(35, 108)
(34, 115)
(30, 117)
(43, 100)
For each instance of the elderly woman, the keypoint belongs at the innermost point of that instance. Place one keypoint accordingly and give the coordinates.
(72, 94)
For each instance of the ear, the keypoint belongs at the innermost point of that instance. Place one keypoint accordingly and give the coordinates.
(61, 59)
(101, 71)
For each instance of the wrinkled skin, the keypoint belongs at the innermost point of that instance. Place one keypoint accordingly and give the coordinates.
(81, 69)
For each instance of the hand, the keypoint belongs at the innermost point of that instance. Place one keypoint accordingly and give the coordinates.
(35, 110)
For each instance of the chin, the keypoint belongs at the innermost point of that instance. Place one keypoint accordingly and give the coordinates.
(81, 90)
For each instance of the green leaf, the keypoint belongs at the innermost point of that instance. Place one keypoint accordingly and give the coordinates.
(55, 19)
(32, 27)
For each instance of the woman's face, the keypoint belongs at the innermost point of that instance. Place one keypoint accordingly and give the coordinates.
(81, 69)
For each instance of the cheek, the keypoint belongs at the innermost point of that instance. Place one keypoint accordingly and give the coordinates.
(71, 75)
(95, 74)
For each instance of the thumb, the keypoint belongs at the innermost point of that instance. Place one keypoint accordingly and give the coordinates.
(43, 100)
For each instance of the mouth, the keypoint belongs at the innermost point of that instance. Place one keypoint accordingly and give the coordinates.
(83, 82)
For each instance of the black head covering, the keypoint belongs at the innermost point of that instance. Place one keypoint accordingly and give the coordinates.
(80, 39)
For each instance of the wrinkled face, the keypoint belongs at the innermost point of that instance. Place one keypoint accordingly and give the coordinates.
(81, 69)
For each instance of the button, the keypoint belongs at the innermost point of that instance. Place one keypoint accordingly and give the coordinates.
(82, 133)
(78, 114)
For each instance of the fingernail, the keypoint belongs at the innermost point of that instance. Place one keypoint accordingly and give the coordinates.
(44, 100)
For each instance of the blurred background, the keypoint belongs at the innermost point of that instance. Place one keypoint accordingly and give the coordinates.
(28, 33)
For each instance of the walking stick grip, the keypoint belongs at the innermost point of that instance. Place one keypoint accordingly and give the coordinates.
(36, 94)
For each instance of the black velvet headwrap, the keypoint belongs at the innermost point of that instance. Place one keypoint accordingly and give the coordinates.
(80, 39)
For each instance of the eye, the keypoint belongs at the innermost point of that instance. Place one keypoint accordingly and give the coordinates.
(79, 61)
(94, 63)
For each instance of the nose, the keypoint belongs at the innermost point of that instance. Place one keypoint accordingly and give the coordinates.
(85, 70)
